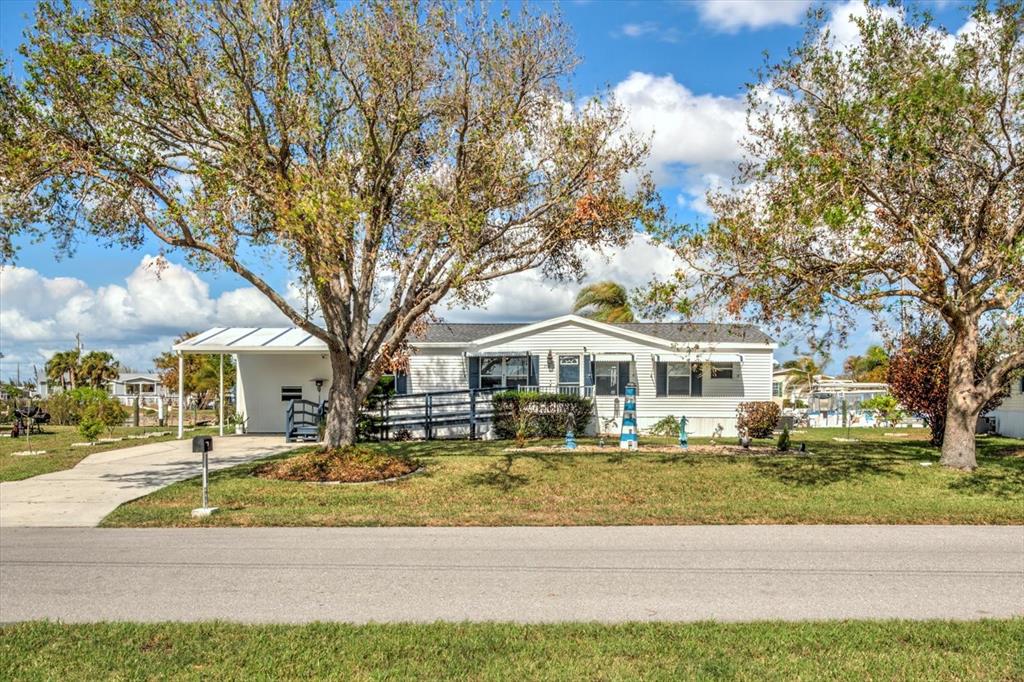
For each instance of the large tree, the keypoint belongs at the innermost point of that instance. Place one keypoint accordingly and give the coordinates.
(882, 173)
(393, 153)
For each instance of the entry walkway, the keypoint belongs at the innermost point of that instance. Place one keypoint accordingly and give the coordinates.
(84, 494)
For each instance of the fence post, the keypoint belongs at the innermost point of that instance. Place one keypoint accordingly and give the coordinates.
(472, 414)
(428, 431)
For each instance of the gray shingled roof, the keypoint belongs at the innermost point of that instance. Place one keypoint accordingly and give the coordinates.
(688, 332)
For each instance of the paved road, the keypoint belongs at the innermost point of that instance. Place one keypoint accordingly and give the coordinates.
(514, 574)
(84, 494)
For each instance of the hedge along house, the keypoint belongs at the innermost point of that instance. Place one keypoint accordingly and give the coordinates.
(702, 371)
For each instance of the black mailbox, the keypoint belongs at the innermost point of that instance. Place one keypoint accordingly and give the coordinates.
(202, 443)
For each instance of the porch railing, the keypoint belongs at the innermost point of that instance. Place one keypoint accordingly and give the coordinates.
(563, 389)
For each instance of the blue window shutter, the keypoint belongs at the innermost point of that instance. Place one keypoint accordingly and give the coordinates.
(588, 371)
(401, 383)
(623, 377)
(534, 377)
(474, 372)
(661, 378)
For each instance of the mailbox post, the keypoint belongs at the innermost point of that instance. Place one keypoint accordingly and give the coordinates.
(204, 444)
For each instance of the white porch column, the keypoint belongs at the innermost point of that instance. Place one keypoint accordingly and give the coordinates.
(181, 395)
(221, 402)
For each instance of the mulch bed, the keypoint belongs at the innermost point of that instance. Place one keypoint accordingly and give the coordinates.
(730, 450)
(352, 465)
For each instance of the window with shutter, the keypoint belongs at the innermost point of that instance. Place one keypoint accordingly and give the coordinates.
(678, 378)
(606, 378)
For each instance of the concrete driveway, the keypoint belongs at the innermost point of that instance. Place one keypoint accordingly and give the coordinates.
(613, 574)
(84, 494)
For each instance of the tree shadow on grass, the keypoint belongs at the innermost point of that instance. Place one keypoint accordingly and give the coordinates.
(996, 476)
(812, 470)
(499, 475)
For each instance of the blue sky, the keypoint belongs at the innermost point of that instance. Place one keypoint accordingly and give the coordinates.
(679, 66)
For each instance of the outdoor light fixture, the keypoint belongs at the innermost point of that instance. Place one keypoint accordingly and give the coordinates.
(551, 360)
(319, 387)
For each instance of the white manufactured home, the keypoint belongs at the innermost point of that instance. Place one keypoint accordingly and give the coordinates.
(701, 371)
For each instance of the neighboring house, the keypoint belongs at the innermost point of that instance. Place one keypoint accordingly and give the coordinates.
(784, 388)
(826, 400)
(130, 385)
(702, 371)
(823, 402)
(1009, 416)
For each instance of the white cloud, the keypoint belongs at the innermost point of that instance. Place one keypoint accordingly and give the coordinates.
(695, 139)
(157, 301)
(649, 29)
(732, 16)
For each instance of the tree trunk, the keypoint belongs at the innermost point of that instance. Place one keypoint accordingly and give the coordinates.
(962, 404)
(343, 403)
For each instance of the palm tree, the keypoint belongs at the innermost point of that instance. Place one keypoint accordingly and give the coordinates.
(806, 371)
(97, 368)
(605, 302)
(62, 368)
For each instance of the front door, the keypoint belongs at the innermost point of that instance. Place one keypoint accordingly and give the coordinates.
(697, 379)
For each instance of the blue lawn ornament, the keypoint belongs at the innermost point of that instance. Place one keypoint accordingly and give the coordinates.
(570, 440)
(683, 442)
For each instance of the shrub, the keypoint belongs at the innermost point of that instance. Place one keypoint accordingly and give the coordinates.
(757, 419)
(783, 444)
(666, 426)
(108, 412)
(90, 428)
(886, 407)
(545, 415)
(69, 408)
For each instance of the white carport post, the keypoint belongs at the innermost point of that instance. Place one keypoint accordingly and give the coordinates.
(181, 395)
(221, 401)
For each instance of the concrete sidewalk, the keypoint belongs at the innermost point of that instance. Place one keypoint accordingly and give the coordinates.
(84, 494)
(613, 574)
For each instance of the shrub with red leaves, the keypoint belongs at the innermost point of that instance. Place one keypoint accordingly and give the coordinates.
(757, 419)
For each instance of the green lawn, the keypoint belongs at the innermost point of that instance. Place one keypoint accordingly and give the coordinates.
(858, 650)
(879, 479)
(56, 442)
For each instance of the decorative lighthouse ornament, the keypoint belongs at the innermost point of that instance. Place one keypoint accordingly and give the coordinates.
(629, 440)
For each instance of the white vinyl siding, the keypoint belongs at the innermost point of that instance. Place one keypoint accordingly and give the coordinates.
(1009, 415)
